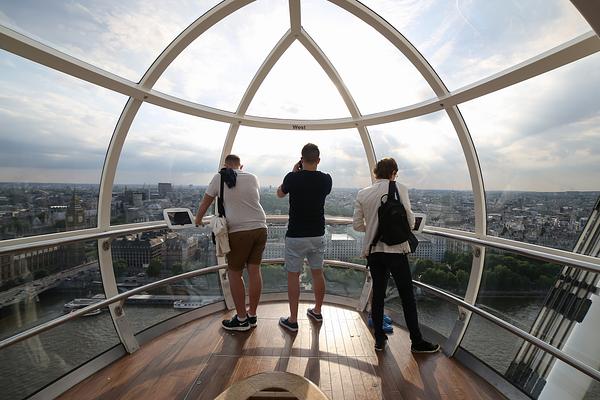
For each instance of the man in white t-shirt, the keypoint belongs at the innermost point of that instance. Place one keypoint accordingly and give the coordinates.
(247, 226)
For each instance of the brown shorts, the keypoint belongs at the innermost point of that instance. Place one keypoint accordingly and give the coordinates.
(246, 248)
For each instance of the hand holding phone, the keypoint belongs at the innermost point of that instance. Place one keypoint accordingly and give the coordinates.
(297, 166)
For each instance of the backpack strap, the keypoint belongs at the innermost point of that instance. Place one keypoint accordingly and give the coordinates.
(220, 204)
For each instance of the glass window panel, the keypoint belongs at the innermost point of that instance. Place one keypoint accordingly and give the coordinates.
(120, 37)
(53, 138)
(38, 285)
(539, 371)
(377, 74)
(217, 68)
(469, 40)
(166, 147)
(140, 259)
(433, 312)
(550, 301)
(433, 167)
(342, 156)
(298, 88)
(538, 145)
(30, 365)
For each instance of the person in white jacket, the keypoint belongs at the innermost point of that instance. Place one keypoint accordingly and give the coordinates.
(247, 232)
(384, 259)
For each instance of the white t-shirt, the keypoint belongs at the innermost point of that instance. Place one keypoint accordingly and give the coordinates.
(242, 202)
(365, 217)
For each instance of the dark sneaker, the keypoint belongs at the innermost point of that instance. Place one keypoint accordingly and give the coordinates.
(425, 347)
(253, 321)
(234, 324)
(380, 343)
(317, 317)
(290, 326)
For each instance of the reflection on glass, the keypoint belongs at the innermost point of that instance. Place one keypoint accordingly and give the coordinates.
(432, 165)
(38, 285)
(168, 159)
(466, 41)
(144, 258)
(30, 365)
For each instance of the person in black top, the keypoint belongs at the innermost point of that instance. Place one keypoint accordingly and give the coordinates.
(306, 229)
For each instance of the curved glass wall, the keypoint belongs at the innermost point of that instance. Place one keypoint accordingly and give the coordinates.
(537, 143)
(168, 159)
(143, 258)
(549, 301)
(377, 74)
(123, 38)
(297, 87)
(432, 165)
(216, 68)
(467, 41)
(44, 284)
(53, 138)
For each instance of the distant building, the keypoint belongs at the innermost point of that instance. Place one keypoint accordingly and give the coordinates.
(138, 251)
(75, 214)
(343, 247)
(164, 189)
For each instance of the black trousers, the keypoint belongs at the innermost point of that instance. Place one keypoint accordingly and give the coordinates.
(381, 265)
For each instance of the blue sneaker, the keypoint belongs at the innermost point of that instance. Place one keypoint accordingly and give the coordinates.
(388, 328)
(387, 319)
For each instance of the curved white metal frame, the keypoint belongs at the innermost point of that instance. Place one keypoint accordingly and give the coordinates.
(141, 92)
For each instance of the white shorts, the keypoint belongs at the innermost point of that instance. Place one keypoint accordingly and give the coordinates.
(297, 249)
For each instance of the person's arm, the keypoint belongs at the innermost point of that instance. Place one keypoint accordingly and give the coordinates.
(406, 203)
(204, 204)
(358, 219)
(283, 189)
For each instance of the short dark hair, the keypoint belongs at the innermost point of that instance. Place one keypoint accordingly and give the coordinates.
(385, 168)
(310, 153)
(232, 159)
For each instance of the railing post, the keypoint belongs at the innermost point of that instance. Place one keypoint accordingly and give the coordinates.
(464, 315)
(223, 278)
(122, 325)
(366, 293)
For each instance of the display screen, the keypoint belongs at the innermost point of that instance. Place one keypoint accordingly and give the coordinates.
(418, 222)
(179, 218)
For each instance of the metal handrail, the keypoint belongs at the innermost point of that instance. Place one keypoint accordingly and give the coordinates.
(96, 306)
(586, 369)
(538, 252)
(573, 362)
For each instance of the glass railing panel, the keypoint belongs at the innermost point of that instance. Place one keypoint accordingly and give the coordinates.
(433, 312)
(444, 264)
(43, 284)
(30, 365)
(143, 258)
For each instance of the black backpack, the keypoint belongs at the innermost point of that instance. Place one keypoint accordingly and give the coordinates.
(393, 227)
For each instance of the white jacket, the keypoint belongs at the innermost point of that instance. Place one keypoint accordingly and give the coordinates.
(365, 217)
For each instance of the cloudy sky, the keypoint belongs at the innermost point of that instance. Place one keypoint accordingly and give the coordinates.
(543, 134)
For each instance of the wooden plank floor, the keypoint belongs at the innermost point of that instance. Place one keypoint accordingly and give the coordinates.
(199, 360)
